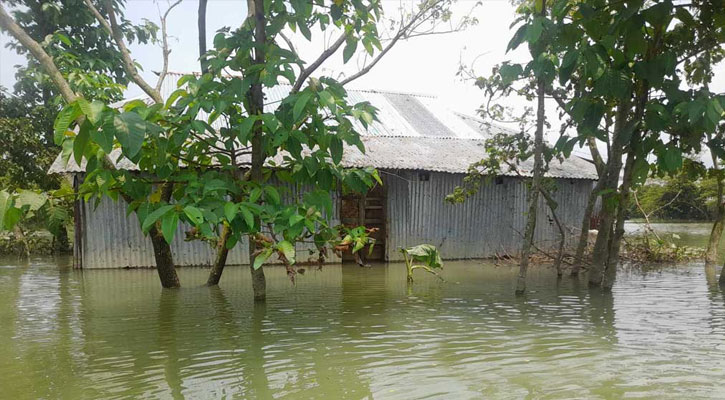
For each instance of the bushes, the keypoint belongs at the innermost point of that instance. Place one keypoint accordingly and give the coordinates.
(676, 198)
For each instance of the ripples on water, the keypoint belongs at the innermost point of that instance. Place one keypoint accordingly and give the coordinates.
(348, 332)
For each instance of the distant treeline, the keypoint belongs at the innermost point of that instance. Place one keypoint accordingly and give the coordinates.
(680, 197)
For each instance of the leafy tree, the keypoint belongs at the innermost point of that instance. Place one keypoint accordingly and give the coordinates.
(26, 144)
(213, 153)
(618, 72)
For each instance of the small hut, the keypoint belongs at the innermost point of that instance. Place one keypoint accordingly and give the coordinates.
(422, 150)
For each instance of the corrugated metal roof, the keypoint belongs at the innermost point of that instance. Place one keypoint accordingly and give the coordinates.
(413, 132)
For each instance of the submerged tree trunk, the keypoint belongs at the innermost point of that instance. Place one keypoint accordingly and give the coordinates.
(533, 191)
(221, 258)
(256, 106)
(562, 233)
(164, 261)
(610, 180)
(591, 202)
(162, 250)
(717, 227)
(585, 227)
(610, 271)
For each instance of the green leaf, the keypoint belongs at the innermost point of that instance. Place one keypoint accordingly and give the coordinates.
(154, 216)
(81, 143)
(261, 258)
(326, 98)
(34, 201)
(349, 50)
(230, 211)
(194, 215)
(130, 131)
(246, 127)
(288, 249)
(320, 199)
(510, 72)
(517, 38)
(248, 216)
(168, 226)
(535, 29)
(300, 104)
(65, 117)
(66, 150)
(103, 138)
(4, 206)
(672, 159)
(271, 195)
(336, 149)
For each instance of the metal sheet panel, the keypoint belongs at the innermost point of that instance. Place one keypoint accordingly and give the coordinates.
(113, 240)
(489, 223)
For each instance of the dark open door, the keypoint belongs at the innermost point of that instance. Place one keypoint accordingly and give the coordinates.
(368, 210)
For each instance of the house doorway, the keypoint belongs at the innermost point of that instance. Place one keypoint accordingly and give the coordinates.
(367, 210)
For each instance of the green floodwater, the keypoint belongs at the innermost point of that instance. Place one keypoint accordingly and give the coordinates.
(346, 332)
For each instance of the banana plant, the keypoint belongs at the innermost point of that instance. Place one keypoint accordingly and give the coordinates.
(423, 256)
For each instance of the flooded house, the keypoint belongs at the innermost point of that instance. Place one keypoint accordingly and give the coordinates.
(423, 151)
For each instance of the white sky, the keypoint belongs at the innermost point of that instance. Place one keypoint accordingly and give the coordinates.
(422, 65)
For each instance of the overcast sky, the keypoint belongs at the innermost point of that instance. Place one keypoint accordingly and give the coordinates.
(421, 65)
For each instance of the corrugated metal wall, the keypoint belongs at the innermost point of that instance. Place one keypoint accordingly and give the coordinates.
(489, 223)
(113, 240)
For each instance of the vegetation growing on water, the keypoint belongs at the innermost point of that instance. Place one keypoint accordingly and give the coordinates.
(423, 256)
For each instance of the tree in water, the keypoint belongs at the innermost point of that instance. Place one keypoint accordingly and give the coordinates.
(623, 65)
(85, 113)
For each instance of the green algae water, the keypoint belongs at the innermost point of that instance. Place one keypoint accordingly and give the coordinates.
(346, 332)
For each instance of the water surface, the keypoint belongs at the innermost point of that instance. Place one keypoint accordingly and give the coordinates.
(348, 332)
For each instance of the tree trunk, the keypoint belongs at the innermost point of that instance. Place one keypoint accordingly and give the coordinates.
(221, 258)
(610, 271)
(717, 227)
(256, 106)
(562, 233)
(164, 261)
(201, 25)
(585, 227)
(600, 254)
(533, 191)
(162, 250)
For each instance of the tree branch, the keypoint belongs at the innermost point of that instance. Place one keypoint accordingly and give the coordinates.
(8, 24)
(316, 64)
(165, 49)
(201, 24)
(128, 64)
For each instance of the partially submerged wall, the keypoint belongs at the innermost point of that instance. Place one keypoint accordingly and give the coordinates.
(489, 223)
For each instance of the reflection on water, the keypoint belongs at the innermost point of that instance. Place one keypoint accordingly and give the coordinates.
(349, 332)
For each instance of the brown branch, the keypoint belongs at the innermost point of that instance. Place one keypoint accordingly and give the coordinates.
(305, 73)
(128, 65)
(406, 31)
(165, 47)
(289, 43)
(8, 24)
(201, 25)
